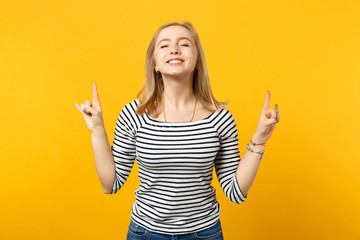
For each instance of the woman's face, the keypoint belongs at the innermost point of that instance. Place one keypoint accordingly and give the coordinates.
(175, 52)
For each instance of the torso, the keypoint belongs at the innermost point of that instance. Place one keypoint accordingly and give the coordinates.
(200, 113)
(176, 162)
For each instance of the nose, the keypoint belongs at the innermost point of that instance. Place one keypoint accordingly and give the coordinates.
(175, 50)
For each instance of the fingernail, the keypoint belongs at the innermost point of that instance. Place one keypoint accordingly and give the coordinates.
(84, 109)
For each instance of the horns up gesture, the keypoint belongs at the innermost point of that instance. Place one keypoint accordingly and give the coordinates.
(91, 111)
(267, 121)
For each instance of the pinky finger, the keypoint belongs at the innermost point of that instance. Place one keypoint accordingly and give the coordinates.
(81, 110)
(77, 106)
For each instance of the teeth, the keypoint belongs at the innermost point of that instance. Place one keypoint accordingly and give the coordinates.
(175, 61)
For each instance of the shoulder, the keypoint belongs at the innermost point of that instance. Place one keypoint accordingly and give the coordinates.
(131, 106)
(128, 111)
(133, 103)
(224, 114)
(128, 117)
(224, 123)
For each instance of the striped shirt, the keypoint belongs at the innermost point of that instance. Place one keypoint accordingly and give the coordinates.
(175, 162)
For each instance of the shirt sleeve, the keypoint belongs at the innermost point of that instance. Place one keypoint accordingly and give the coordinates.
(228, 158)
(123, 148)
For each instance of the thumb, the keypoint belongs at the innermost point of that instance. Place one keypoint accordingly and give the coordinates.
(270, 121)
(90, 111)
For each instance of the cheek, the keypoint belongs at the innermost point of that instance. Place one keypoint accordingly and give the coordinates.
(195, 57)
(158, 57)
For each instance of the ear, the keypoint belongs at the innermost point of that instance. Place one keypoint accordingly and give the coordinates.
(156, 69)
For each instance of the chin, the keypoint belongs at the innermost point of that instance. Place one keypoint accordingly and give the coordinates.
(177, 73)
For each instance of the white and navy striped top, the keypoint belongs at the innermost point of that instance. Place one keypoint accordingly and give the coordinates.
(175, 168)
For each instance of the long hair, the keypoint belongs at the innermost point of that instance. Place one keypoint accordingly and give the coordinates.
(151, 91)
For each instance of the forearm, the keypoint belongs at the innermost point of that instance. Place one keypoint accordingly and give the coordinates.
(248, 167)
(104, 161)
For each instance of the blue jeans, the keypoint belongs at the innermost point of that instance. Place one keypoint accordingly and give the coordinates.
(136, 232)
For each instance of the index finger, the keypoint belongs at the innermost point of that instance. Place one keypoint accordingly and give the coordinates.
(96, 101)
(267, 102)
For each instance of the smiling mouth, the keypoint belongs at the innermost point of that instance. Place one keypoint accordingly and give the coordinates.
(175, 62)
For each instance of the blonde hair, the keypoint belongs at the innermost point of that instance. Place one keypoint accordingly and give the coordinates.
(151, 91)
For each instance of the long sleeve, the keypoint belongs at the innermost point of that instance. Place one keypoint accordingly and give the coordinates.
(176, 160)
(228, 157)
(123, 148)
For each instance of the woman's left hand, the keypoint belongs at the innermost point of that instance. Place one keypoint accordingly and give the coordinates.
(267, 121)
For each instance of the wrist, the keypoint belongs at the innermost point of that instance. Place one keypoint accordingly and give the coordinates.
(98, 131)
(257, 145)
(256, 149)
(258, 140)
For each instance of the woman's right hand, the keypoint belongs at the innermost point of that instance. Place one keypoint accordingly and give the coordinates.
(91, 111)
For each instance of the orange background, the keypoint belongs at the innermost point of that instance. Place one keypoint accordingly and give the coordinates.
(305, 52)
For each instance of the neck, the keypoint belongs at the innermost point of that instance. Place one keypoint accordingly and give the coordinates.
(178, 93)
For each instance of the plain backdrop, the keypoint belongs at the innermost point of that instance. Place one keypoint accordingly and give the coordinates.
(305, 52)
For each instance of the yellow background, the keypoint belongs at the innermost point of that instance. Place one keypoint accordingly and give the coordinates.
(305, 52)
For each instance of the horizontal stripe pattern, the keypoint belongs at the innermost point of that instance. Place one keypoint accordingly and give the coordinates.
(175, 161)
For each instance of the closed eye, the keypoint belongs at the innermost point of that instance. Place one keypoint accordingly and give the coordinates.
(186, 45)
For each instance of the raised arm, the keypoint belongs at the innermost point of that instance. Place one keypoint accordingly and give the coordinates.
(251, 160)
(104, 161)
(228, 158)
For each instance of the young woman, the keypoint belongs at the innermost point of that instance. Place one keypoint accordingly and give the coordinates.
(177, 131)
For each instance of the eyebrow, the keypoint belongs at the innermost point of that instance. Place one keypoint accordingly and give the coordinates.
(168, 39)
